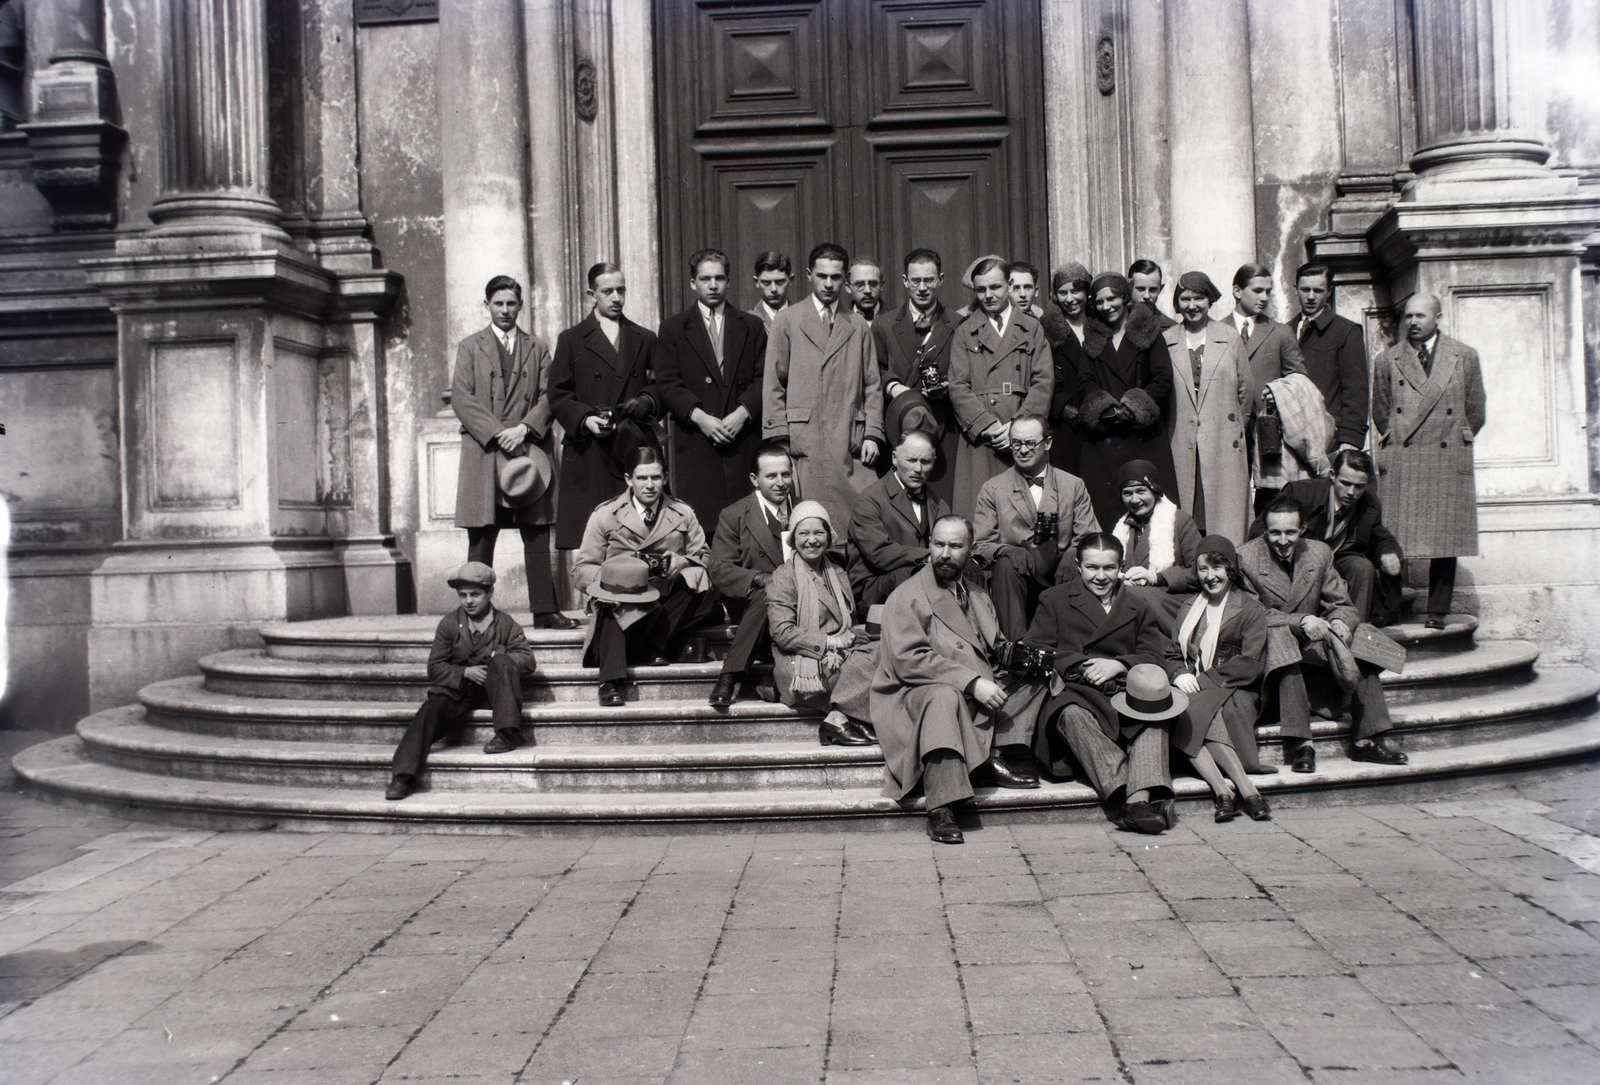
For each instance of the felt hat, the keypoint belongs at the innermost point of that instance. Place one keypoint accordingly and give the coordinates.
(474, 574)
(624, 580)
(1140, 471)
(525, 477)
(911, 410)
(1150, 696)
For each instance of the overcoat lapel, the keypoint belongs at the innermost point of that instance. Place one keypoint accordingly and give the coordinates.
(948, 611)
(1182, 371)
(1023, 499)
(696, 330)
(901, 501)
(1445, 363)
(1122, 359)
(1258, 335)
(1211, 363)
(1306, 579)
(813, 327)
(600, 345)
(733, 336)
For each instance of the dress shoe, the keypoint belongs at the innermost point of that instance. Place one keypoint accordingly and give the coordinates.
(1168, 809)
(1305, 758)
(400, 787)
(1021, 760)
(611, 695)
(767, 689)
(1227, 809)
(1256, 806)
(555, 620)
(1435, 621)
(1377, 753)
(840, 733)
(1141, 817)
(1005, 776)
(942, 827)
(865, 731)
(726, 690)
(656, 659)
(502, 742)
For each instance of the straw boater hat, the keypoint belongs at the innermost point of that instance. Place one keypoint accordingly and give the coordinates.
(1150, 696)
(474, 574)
(624, 580)
(525, 477)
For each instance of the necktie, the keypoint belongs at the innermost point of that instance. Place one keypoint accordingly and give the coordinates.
(999, 326)
(827, 316)
(649, 517)
(1425, 356)
(1195, 356)
(923, 322)
(961, 597)
(1244, 329)
(1305, 329)
(714, 330)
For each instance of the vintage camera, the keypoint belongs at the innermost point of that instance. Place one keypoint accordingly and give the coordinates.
(660, 563)
(1269, 429)
(1045, 527)
(1020, 659)
(607, 426)
(929, 379)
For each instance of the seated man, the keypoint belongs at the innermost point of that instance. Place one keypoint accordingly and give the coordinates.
(1344, 513)
(1100, 630)
(940, 709)
(479, 657)
(890, 526)
(642, 566)
(747, 547)
(1028, 518)
(1310, 621)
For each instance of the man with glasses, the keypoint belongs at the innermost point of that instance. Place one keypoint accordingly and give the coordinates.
(913, 345)
(865, 285)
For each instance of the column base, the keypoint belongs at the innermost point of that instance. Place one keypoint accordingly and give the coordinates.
(377, 576)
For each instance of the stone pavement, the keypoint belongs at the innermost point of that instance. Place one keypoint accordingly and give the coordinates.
(1430, 942)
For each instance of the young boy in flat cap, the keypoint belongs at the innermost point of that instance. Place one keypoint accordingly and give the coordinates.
(479, 657)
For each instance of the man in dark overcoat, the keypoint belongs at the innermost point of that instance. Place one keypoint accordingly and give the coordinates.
(746, 548)
(601, 391)
(500, 393)
(1428, 404)
(891, 523)
(916, 335)
(1335, 353)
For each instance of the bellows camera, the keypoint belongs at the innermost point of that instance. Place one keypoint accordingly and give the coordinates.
(660, 564)
(929, 378)
(1020, 659)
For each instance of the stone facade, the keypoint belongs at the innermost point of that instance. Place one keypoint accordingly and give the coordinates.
(239, 238)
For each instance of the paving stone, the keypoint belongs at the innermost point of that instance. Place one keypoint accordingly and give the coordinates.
(1357, 1048)
(562, 1057)
(1437, 1076)
(1042, 1058)
(1310, 1002)
(1277, 1070)
(736, 1021)
(1577, 1009)
(329, 1047)
(745, 1065)
(1455, 1029)
(1000, 981)
(1032, 1013)
(1576, 1064)
(923, 1075)
(1414, 984)
(1010, 947)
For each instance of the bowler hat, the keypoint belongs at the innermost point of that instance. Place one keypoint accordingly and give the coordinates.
(525, 477)
(624, 580)
(911, 410)
(474, 574)
(1150, 696)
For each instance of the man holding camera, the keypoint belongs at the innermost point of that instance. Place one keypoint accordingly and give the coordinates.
(1028, 518)
(913, 344)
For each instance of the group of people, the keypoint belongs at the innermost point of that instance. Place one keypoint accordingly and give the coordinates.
(1000, 541)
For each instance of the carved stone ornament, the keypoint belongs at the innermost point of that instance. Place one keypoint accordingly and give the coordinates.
(586, 89)
(1105, 65)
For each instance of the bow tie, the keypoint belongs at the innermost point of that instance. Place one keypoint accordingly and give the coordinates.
(1037, 480)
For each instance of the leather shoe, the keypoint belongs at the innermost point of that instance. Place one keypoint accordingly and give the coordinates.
(1227, 808)
(1005, 776)
(1141, 817)
(942, 827)
(1377, 753)
(726, 690)
(657, 660)
(611, 695)
(1435, 621)
(1305, 758)
(1168, 809)
(502, 742)
(400, 787)
(555, 620)
(1256, 806)
(1021, 760)
(865, 731)
(835, 733)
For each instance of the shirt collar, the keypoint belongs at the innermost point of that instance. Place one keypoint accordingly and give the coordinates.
(772, 510)
(907, 492)
(821, 308)
(706, 314)
(1005, 318)
(638, 506)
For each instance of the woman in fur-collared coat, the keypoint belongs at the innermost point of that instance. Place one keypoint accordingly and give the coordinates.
(1122, 392)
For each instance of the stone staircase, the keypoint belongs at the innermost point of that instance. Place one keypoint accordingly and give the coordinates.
(298, 734)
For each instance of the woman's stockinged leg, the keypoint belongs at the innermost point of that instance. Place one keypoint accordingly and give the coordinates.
(1222, 754)
(1207, 768)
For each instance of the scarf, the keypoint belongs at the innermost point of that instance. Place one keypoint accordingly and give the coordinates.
(810, 674)
(1162, 552)
(1208, 641)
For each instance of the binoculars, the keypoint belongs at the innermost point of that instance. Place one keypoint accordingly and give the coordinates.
(1045, 527)
(928, 378)
(660, 564)
(1020, 659)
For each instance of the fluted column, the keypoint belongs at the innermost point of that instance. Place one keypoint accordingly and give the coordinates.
(214, 121)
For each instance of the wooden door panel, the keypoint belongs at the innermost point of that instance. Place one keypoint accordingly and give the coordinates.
(933, 63)
(764, 65)
(941, 202)
(783, 206)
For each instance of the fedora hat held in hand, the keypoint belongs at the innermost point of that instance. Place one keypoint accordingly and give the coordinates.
(624, 580)
(523, 478)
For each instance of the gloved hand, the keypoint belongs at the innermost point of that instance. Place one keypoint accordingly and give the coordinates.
(639, 408)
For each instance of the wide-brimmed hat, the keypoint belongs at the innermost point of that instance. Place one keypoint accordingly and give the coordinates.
(474, 574)
(1150, 696)
(624, 580)
(912, 411)
(525, 477)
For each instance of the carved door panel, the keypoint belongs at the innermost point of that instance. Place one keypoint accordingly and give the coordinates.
(880, 124)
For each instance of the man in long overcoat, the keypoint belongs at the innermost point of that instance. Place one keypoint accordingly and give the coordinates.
(500, 393)
(708, 373)
(1335, 353)
(915, 335)
(601, 392)
(1428, 405)
(940, 710)
(1000, 367)
(821, 391)
(1270, 347)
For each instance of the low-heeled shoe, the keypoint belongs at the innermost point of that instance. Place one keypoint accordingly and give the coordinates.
(399, 787)
(1377, 753)
(1433, 622)
(1256, 806)
(942, 827)
(830, 733)
(1305, 759)
(1227, 808)
(611, 695)
(502, 742)
(657, 660)
(725, 691)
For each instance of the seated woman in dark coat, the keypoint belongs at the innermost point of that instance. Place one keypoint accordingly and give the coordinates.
(1217, 657)
(809, 607)
(1160, 542)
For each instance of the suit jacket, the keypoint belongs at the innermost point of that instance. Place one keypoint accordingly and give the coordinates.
(453, 650)
(1207, 427)
(615, 529)
(743, 545)
(1273, 352)
(1334, 350)
(765, 315)
(900, 346)
(1427, 423)
(885, 534)
(1317, 588)
(1006, 514)
(709, 477)
(486, 404)
(588, 373)
(1363, 534)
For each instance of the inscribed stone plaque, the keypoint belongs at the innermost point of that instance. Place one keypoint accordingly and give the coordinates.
(1509, 328)
(194, 425)
(376, 12)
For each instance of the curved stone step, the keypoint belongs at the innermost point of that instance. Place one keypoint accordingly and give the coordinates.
(57, 769)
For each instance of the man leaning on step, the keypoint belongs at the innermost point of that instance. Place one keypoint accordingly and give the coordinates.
(479, 656)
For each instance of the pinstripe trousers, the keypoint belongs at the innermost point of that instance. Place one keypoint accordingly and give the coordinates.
(1141, 766)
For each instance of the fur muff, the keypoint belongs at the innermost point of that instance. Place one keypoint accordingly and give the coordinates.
(1095, 406)
(1145, 411)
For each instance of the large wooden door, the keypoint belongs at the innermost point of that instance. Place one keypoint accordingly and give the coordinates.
(883, 125)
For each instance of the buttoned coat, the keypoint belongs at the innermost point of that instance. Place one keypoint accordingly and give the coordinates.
(708, 476)
(1137, 373)
(486, 403)
(1364, 535)
(822, 394)
(1317, 588)
(1070, 357)
(1231, 685)
(900, 352)
(743, 545)
(1273, 352)
(453, 651)
(589, 373)
(1334, 350)
(885, 535)
(615, 529)
(1006, 513)
(1206, 428)
(1426, 426)
(994, 380)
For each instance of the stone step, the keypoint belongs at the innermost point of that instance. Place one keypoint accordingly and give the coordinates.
(60, 770)
(126, 737)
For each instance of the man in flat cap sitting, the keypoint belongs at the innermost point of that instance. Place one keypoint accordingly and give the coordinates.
(479, 656)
